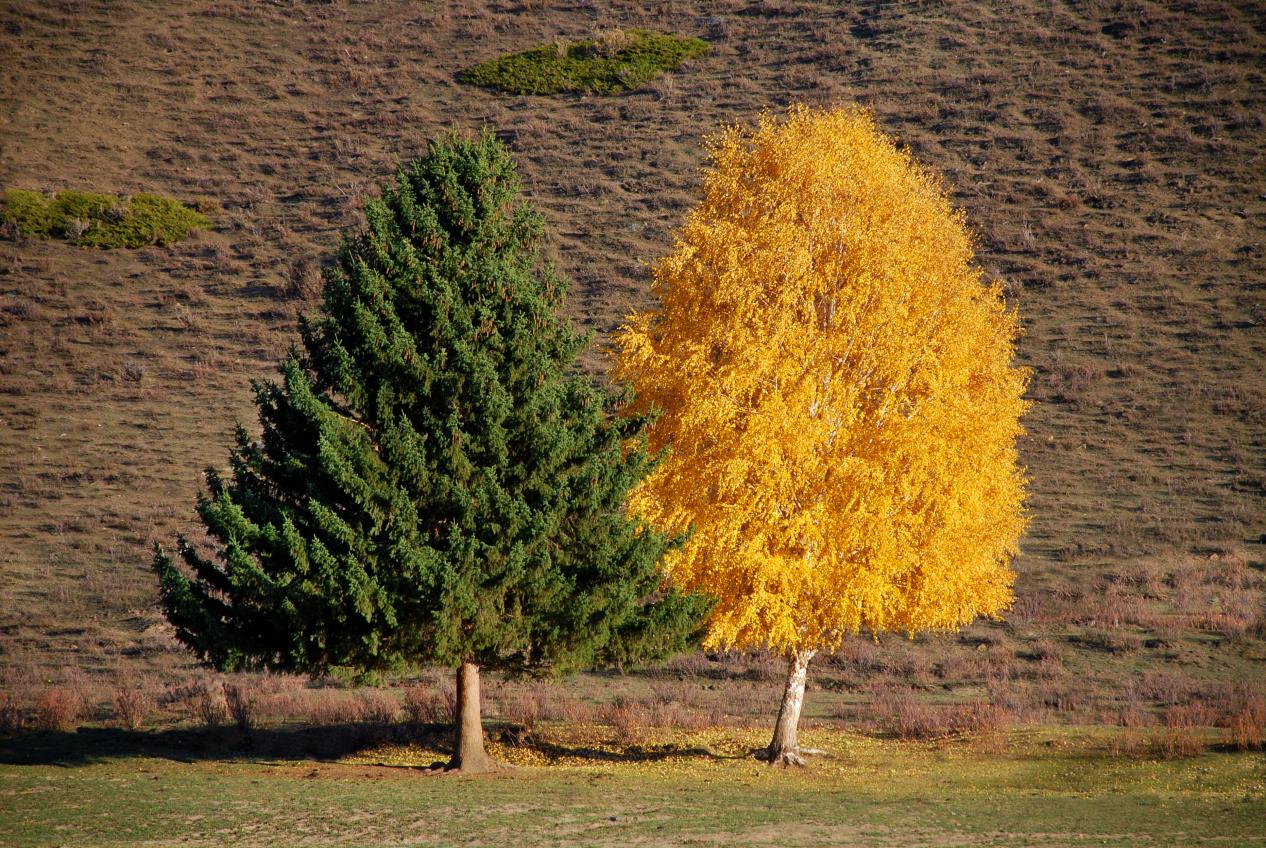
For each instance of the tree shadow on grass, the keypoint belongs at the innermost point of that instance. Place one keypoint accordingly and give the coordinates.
(89, 745)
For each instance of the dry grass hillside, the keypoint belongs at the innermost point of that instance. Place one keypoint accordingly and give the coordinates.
(1110, 155)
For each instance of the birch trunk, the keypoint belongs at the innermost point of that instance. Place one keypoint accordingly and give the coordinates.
(784, 749)
(469, 755)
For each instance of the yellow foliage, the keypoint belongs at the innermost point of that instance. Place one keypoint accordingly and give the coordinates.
(837, 391)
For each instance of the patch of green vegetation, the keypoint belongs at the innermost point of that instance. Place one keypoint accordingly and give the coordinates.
(616, 61)
(101, 220)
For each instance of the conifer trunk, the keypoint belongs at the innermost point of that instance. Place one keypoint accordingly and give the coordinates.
(469, 755)
(784, 749)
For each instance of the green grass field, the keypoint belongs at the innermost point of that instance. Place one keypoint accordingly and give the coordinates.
(1048, 788)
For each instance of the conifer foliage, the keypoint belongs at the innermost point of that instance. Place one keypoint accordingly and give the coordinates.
(433, 483)
(837, 388)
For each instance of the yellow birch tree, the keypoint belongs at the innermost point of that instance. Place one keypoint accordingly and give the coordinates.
(837, 395)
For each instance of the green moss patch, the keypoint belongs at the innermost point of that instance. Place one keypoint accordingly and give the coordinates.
(618, 60)
(101, 220)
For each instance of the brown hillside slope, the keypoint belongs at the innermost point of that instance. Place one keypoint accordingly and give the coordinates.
(1110, 156)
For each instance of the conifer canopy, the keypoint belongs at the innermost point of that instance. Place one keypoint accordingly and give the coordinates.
(434, 482)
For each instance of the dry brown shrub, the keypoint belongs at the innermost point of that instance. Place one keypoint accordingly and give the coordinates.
(378, 707)
(1180, 738)
(958, 667)
(1016, 701)
(1196, 713)
(739, 700)
(525, 706)
(239, 701)
(430, 704)
(683, 692)
(898, 710)
(1045, 649)
(1128, 743)
(58, 710)
(1245, 720)
(572, 711)
(1114, 641)
(673, 714)
(176, 693)
(303, 280)
(912, 720)
(1247, 727)
(1166, 687)
(11, 714)
(208, 705)
(131, 706)
(690, 666)
(1119, 606)
(1049, 668)
(628, 718)
(609, 43)
(331, 707)
(1063, 697)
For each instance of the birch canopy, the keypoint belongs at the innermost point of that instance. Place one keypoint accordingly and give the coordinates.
(837, 392)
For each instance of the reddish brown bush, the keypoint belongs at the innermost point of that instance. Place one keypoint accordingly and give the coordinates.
(1166, 687)
(131, 706)
(628, 718)
(239, 701)
(58, 710)
(208, 705)
(674, 714)
(1128, 743)
(1063, 697)
(378, 707)
(571, 711)
(10, 713)
(905, 716)
(425, 705)
(524, 706)
(1133, 716)
(1246, 724)
(1048, 668)
(331, 706)
(683, 692)
(1180, 738)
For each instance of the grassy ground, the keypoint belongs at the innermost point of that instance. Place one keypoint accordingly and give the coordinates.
(1048, 788)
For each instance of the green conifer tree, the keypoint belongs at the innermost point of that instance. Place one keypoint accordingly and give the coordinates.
(433, 483)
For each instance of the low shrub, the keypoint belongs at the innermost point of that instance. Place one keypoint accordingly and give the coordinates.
(239, 701)
(616, 61)
(131, 706)
(378, 707)
(209, 705)
(1246, 723)
(100, 220)
(11, 716)
(426, 705)
(1181, 737)
(525, 706)
(1128, 743)
(900, 712)
(628, 719)
(58, 710)
(331, 707)
(674, 714)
